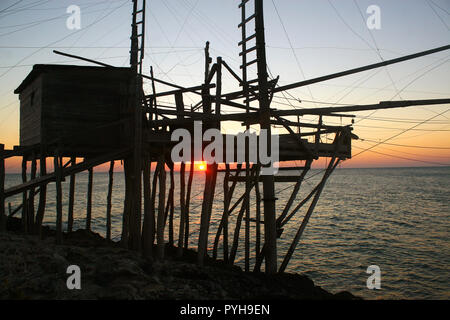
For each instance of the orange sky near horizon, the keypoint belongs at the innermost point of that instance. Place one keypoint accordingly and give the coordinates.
(299, 46)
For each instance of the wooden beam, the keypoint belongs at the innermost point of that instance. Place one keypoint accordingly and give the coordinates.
(239, 94)
(380, 105)
(331, 166)
(360, 69)
(190, 89)
(294, 192)
(47, 178)
(280, 179)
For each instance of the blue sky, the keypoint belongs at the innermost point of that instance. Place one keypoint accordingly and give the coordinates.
(316, 37)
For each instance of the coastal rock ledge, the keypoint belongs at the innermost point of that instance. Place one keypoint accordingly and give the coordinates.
(31, 268)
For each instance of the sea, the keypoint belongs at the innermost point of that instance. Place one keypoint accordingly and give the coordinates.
(397, 219)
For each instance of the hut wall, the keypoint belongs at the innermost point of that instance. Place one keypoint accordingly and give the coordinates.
(30, 113)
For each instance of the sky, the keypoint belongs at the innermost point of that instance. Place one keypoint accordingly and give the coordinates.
(305, 39)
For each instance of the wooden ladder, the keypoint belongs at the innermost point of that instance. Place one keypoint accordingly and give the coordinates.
(138, 36)
(248, 50)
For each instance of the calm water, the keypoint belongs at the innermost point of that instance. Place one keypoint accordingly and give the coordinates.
(396, 218)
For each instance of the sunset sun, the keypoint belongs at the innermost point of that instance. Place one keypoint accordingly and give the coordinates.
(201, 166)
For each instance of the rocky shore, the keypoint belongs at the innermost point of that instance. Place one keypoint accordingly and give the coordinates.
(33, 268)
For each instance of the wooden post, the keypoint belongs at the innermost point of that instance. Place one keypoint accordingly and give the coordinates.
(148, 226)
(170, 205)
(208, 196)
(239, 220)
(57, 168)
(188, 201)
(126, 206)
(246, 204)
(228, 195)
(89, 199)
(182, 209)
(154, 92)
(208, 61)
(222, 221)
(108, 200)
(270, 230)
(161, 218)
(30, 209)
(24, 195)
(218, 85)
(159, 166)
(43, 193)
(2, 189)
(258, 218)
(71, 198)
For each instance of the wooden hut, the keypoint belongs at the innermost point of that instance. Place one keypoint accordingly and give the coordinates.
(83, 106)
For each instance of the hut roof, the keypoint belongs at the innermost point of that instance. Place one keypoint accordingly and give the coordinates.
(43, 68)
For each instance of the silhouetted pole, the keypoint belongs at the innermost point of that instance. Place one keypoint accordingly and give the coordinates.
(24, 195)
(188, 200)
(161, 218)
(270, 232)
(30, 209)
(148, 224)
(58, 174)
(71, 198)
(108, 200)
(43, 193)
(89, 199)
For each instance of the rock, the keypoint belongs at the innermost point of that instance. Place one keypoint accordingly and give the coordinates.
(34, 269)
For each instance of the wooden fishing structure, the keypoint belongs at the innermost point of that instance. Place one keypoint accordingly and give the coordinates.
(102, 114)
